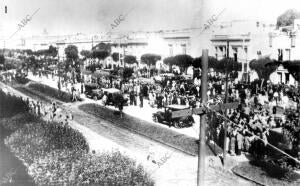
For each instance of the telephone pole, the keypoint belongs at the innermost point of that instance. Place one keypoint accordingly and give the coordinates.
(226, 95)
(202, 133)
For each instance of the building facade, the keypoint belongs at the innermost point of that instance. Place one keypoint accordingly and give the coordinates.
(164, 43)
(244, 40)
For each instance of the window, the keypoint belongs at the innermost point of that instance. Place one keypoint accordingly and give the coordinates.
(287, 78)
(221, 49)
(171, 50)
(280, 55)
(245, 67)
(279, 76)
(293, 41)
(259, 52)
(216, 52)
(183, 46)
(245, 50)
(270, 41)
(235, 53)
(288, 53)
(235, 56)
(23, 42)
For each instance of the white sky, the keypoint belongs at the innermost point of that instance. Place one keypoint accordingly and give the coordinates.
(94, 16)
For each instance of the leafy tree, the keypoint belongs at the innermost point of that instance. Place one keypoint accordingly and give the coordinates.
(10, 54)
(263, 71)
(129, 59)
(287, 18)
(2, 59)
(72, 62)
(91, 67)
(294, 68)
(183, 61)
(102, 47)
(40, 52)
(169, 61)
(127, 73)
(150, 59)
(100, 54)
(115, 56)
(101, 51)
(86, 53)
(52, 51)
(229, 64)
(212, 61)
(71, 52)
(28, 51)
(2, 62)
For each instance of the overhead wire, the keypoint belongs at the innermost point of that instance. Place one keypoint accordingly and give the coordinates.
(257, 137)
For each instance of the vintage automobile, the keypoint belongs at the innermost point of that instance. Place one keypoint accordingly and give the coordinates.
(165, 117)
(110, 92)
(92, 90)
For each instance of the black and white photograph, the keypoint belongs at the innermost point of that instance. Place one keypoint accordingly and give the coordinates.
(150, 92)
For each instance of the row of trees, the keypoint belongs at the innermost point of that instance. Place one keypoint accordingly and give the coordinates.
(266, 66)
(50, 52)
(287, 18)
(102, 51)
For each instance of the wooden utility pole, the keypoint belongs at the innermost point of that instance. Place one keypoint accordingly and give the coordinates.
(226, 95)
(202, 112)
(202, 135)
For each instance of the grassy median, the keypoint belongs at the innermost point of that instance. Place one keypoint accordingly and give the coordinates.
(57, 154)
(155, 132)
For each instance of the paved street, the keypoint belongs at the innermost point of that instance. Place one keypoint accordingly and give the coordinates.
(179, 169)
(184, 89)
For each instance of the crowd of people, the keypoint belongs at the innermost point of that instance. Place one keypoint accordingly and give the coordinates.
(261, 110)
(40, 109)
(263, 106)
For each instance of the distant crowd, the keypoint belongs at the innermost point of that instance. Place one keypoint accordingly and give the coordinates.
(40, 109)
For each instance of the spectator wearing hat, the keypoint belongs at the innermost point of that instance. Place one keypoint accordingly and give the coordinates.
(141, 99)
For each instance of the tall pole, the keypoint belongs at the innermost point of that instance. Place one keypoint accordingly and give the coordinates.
(119, 52)
(243, 48)
(202, 133)
(92, 42)
(226, 95)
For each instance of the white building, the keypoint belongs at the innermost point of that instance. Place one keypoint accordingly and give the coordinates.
(164, 43)
(251, 39)
(246, 39)
(285, 46)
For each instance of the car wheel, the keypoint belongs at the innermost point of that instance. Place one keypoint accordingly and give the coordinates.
(159, 119)
(176, 124)
(155, 119)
